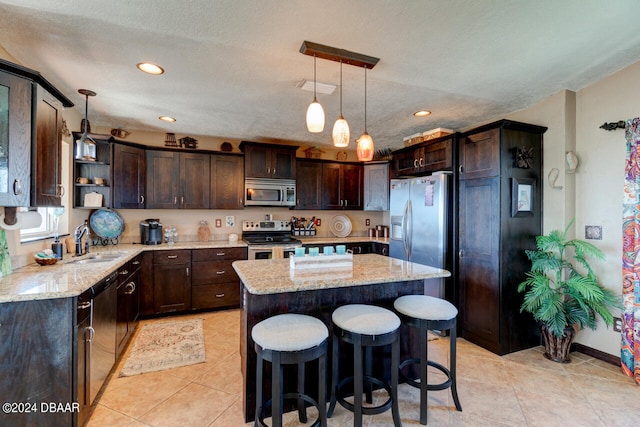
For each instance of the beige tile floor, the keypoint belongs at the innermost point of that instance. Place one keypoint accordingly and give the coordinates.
(520, 389)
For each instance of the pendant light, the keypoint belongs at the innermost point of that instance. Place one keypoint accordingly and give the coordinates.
(315, 113)
(364, 149)
(86, 146)
(341, 134)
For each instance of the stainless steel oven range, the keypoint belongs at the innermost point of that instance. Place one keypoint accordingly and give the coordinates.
(263, 236)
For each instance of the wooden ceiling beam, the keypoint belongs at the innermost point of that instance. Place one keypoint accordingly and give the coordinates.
(337, 55)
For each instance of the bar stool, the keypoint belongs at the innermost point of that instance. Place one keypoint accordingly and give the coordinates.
(290, 339)
(425, 312)
(365, 326)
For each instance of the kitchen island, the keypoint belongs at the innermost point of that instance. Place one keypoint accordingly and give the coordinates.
(270, 287)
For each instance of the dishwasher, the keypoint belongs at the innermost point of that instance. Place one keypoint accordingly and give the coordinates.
(96, 329)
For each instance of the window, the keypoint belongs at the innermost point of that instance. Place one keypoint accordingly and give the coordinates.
(46, 228)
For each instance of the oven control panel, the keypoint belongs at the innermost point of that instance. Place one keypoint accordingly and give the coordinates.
(271, 225)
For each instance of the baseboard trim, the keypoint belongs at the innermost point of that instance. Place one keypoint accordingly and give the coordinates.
(597, 354)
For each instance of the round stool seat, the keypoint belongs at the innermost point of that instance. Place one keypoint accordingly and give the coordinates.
(289, 332)
(425, 307)
(365, 319)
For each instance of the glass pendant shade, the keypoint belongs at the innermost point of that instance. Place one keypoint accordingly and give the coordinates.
(365, 147)
(315, 112)
(315, 117)
(341, 133)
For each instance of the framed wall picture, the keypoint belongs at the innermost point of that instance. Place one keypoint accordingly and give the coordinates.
(522, 191)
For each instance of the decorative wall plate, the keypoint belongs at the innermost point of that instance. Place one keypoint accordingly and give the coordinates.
(107, 223)
(340, 226)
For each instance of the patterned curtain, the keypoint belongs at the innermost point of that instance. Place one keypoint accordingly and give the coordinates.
(630, 352)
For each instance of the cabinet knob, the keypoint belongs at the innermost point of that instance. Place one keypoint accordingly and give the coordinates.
(274, 171)
(460, 253)
(415, 163)
(460, 169)
(221, 254)
(17, 187)
(220, 273)
(219, 295)
(172, 256)
(181, 200)
(187, 271)
(123, 272)
(135, 262)
(175, 200)
(60, 190)
(421, 162)
(141, 199)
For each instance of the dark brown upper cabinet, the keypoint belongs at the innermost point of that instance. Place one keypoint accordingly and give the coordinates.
(269, 160)
(309, 184)
(177, 180)
(227, 182)
(425, 158)
(30, 138)
(15, 144)
(342, 186)
(128, 176)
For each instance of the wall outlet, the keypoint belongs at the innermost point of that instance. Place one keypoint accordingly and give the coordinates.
(367, 222)
(218, 223)
(617, 324)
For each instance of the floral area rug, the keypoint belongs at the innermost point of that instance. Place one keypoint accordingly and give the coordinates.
(165, 345)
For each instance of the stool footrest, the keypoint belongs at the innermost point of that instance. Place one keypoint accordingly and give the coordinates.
(306, 398)
(366, 410)
(432, 387)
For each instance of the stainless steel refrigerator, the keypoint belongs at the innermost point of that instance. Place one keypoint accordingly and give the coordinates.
(421, 229)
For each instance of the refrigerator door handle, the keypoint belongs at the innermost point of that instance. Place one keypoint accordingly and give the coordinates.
(409, 229)
(405, 232)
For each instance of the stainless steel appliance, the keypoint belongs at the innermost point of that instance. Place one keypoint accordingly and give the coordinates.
(102, 347)
(150, 231)
(85, 333)
(269, 192)
(421, 229)
(263, 236)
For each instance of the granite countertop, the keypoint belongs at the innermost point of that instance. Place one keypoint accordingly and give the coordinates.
(271, 276)
(69, 277)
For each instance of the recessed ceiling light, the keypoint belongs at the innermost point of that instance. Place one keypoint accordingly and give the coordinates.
(150, 68)
(167, 119)
(422, 113)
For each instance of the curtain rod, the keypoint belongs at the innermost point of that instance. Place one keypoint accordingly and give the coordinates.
(613, 125)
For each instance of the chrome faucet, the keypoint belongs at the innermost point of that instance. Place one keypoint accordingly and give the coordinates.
(80, 231)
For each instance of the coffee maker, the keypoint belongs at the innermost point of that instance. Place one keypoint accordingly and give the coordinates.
(150, 231)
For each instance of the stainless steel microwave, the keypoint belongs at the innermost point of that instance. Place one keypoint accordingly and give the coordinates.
(269, 192)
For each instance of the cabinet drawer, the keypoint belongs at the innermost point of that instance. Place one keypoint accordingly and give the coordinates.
(172, 257)
(219, 254)
(213, 296)
(210, 272)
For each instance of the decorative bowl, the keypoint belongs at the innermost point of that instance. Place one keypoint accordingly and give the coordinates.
(46, 261)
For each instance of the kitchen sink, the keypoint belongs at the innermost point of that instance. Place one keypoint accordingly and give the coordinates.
(97, 257)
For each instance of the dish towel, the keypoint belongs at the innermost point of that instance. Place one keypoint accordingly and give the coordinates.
(5, 258)
(277, 252)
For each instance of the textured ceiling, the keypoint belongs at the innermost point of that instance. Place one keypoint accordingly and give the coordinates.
(232, 66)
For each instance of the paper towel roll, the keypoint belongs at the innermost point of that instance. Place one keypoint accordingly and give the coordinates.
(24, 220)
(31, 219)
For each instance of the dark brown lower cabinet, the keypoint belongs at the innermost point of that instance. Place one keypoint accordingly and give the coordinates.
(172, 280)
(214, 283)
(37, 353)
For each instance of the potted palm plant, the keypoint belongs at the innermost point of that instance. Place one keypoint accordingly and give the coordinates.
(563, 292)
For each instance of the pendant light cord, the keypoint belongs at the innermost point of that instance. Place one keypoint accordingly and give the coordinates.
(341, 88)
(365, 98)
(314, 78)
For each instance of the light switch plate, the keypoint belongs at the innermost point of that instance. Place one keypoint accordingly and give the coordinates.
(218, 223)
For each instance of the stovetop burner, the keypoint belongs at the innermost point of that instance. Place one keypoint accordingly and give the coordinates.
(270, 233)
